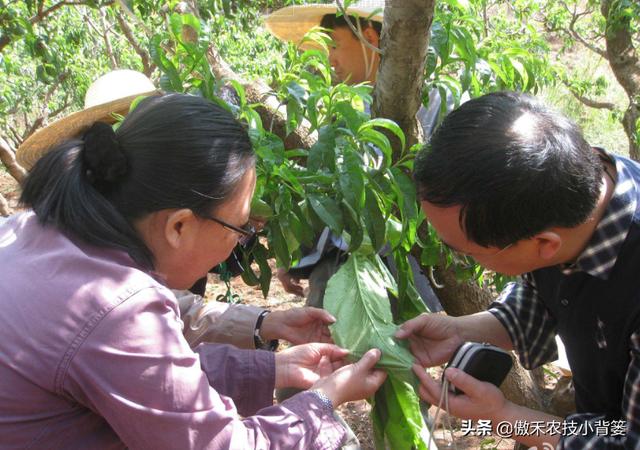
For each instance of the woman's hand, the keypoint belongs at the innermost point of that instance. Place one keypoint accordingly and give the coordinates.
(481, 400)
(298, 325)
(353, 382)
(303, 365)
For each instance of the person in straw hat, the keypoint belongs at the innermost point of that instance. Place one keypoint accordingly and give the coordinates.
(354, 61)
(244, 326)
(92, 353)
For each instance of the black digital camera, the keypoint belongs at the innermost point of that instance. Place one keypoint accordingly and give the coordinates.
(484, 362)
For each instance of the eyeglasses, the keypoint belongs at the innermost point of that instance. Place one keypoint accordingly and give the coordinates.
(246, 232)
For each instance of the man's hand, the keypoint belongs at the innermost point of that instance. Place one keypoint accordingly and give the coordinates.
(480, 400)
(301, 366)
(298, 325)
(289, 283)
(432, 338)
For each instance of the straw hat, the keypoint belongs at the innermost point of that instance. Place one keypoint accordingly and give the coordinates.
(111, 93)
(293, 22)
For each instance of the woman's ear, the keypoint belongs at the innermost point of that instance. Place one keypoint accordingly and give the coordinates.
(548, 244)
(180, 228)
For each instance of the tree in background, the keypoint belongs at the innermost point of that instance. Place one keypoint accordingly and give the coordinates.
(611, 30)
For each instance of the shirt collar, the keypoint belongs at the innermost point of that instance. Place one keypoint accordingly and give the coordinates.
(601, 253)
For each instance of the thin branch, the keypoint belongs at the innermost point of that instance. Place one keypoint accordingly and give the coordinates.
(5, 209)
(577, 36)
(355, 30)
(43, 14)
(64, 106)
(8, 158)
(144, 55)
(589, 102)
(107, 42)
(130, 13)
(17, 138)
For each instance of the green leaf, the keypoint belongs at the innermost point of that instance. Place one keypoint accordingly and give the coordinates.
(374, 220)
(357, 294)
(279, 244)
(322, 153)
(351, 179)
(353, 226)
(328, 211)
(387, 125)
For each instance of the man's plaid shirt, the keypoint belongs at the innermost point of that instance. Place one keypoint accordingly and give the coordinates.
(533, 329)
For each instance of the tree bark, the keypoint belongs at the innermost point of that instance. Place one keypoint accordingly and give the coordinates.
(8, 158)
(399, 83)
(623, 59)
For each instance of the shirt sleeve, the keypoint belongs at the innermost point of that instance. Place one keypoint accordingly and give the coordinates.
(530, 325)
(136, 370)
(217, 322)
(582, 431)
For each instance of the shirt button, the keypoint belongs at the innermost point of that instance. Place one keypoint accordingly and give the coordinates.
(564, 302)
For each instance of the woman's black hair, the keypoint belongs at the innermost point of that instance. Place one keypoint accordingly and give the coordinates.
(331, 22)
(171, 151)
(514, 166)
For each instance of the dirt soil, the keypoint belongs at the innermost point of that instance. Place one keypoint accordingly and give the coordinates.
(356, 414)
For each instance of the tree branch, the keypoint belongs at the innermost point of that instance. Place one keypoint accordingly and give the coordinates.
(148, 67)
(355, 30)
(259, 92)
(398, 91)
(8, 158)
(5, 209)
(587, 101)
(45, 114)
(577, 36)
(107, 42)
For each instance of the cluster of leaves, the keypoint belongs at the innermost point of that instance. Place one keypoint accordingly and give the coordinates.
(46, 63)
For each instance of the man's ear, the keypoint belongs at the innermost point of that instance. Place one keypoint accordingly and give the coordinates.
(548, 244)
(180, 227)
(371, 35)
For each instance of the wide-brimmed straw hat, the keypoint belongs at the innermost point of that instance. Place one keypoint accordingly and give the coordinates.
(109, 94)
(293, 22)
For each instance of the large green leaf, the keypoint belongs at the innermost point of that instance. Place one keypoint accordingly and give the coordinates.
(357, 296)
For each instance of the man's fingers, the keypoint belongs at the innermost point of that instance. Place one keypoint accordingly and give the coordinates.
(463, 381)
(429, 388)
(411, 326)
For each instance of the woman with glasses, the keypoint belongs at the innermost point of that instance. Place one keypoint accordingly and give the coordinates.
(92, 353)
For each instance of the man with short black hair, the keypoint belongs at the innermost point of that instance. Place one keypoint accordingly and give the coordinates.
(516, 186)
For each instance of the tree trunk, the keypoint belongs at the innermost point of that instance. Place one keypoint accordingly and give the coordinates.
(8, 158)
(623, 59)
(399, 83)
